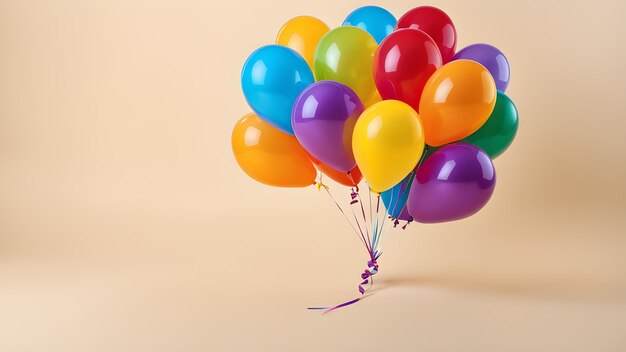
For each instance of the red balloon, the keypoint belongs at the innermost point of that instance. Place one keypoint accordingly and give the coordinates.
(338, 176)
(403, 63)
(436, 24)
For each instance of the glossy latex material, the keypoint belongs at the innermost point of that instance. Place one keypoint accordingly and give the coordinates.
(302, 35)
(323, 119)
(403, 63)
(272, 78)
(375, 20)
(497, 134)
(436, 24)
(396, 197)
(376, 98)
(347, 179)
(269, 155)
(493, 60)
(454, 183)
(345, 55)
(387, 141)
(457, 100)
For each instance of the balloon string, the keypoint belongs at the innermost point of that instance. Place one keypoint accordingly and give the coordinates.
(375, 226)
(365, 235)
(359, 232)
(380, 224)
(352, 180)
(354, 199)
(369, 195)
(364, 239)
(355, 195)
(381, 230)
(404, 188)
(366, 276)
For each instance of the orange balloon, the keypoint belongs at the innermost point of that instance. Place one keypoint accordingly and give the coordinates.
(339, 176)
(270, 156)
(302, 35)
(457, 100)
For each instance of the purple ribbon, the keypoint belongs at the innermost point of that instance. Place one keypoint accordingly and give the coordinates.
(372, 269)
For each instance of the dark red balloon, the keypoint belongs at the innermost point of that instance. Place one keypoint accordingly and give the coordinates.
(436, 24)
(403, 63)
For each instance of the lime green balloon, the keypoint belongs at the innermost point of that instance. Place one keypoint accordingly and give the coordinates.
(497, 134)
(345, 55)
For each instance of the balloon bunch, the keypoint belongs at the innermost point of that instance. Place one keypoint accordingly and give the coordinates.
(388, 101)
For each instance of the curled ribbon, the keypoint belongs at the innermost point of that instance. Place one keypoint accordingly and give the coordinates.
(372, 269)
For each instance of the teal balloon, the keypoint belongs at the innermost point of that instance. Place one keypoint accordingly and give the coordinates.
(271, 79)
(395, 198)
(497, 134)
(373, 19)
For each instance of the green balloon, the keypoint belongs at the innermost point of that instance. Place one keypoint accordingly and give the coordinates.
(497, 134)
(345, 55)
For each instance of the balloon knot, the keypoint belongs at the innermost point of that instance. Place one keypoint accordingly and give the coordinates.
(319, 186)
(407, 223)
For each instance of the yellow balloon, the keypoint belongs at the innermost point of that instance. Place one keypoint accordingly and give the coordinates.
(302, 35)
(387, 142)
(457, 100)
(270, 156)
(345, 55)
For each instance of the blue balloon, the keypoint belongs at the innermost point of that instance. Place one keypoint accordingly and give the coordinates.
(375, 20)
(271, 79)
(395, 198)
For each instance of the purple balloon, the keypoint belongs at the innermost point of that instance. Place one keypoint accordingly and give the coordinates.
(490, 57)
(323, 119)
(404, 215)
(453, 183)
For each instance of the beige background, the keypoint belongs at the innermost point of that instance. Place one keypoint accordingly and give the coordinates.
(126, 225)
